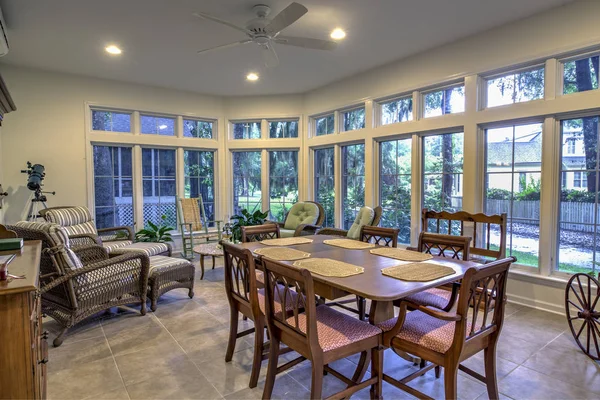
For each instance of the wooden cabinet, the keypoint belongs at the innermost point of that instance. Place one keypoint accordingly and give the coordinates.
(23, 346)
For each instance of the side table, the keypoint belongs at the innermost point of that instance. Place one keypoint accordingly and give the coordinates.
(208, 249)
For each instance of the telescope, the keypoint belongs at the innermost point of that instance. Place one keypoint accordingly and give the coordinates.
(36, 176)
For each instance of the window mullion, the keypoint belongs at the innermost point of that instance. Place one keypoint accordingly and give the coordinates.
(549, 197)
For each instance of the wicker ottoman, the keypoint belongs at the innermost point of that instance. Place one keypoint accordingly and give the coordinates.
(168, 273)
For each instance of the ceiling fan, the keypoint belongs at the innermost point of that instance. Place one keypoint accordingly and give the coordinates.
(265, 32)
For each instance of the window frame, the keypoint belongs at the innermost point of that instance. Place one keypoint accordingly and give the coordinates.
(111, 110)
(560, 87)
(313, 124)
(335, 176)
(342, 115)
(176, 176)
(485, 78)
(142, 114)
(450, 85)
(214, 131)
(242, 121)
(344, 176)
(379, 103)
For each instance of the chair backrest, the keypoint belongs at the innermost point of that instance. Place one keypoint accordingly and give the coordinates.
(76, 220)
(381, 236)
(378, 212)
(456, 247)
(240, 278)
(191, 211)
(481, 303)
(256, 233)
(298, 325)
(7, 233)
(479, 226)
(304, 212)
(364, 217)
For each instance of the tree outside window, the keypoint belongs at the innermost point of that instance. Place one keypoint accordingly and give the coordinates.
(197, 129)
(446, 101)
(199, 172)
(283, 183)
(353, 182)
(325, 183)
(354, 119)
(247, 193)
(516, 87)
(159, 186)
(399, 110)
(325, 125)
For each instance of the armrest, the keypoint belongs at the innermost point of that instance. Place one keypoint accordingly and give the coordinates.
(306, 227)
(333, 231)
(127, 229)
(85, 239)
(91, 254)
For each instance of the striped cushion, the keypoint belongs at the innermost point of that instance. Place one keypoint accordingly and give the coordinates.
(111, 246)
(162, 262)
(58, 234)
(77, 220)
(150, 248)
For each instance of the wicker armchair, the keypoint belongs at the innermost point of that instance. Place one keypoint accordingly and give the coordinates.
(303, 228)
(343, 232)
(78, 283)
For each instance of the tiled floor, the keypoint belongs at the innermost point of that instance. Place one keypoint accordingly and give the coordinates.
(178, 353)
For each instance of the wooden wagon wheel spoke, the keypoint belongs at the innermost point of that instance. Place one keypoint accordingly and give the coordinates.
(581, 329)
(585, 304)
(589, 328)
(576, 295)
(584, 312)
(593, 307)
(596, 333)
(576, 306)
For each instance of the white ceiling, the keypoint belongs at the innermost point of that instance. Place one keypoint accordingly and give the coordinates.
(159, 38)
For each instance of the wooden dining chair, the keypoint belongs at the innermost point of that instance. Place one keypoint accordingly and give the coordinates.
(448, 338)
(257, 233)
(318, 333)
(380, 236)
(244, 297)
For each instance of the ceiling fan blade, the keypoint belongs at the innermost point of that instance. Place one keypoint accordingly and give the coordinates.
(288, 16)
(223, 22)
(224, 46)
(307, 43)
(270, 56)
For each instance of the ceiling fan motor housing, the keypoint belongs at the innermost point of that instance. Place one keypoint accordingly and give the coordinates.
(257, 25)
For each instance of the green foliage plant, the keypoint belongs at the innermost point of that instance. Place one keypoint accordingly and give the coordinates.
(155, 233)
(245, 218)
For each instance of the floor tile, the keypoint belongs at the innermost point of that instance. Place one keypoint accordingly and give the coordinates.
(116, 323)
(285, 388)
(185, 384)
(75, 353)
(81, 381)
(130, 341)
(115, 394)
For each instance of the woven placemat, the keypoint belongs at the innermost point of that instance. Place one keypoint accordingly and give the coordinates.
(401, 254)
(349, 244)
(286, 241)
(329, 267)
(417, 272)
(282, 253)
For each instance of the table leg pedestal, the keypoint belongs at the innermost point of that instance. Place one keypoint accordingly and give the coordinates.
(202, 265)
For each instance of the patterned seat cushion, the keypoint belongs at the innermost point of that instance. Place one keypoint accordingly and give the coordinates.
(111, 246)
(290, 301)
(160, 263)
(76, 220)
(424, 330)
(260, 278)
(435, 297)
(336, 329)
(150, 248)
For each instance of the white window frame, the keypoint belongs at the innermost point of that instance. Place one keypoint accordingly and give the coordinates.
(487, 77)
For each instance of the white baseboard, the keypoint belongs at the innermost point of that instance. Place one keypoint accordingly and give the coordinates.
(537, 304)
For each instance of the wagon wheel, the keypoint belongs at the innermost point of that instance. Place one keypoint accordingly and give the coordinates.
(583, 313)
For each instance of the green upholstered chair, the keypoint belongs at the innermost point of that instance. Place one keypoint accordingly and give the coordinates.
(366, 216)
(304, 218)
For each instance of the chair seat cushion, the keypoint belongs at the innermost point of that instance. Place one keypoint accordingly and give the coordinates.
(159, 264)
(284, 233)
(150, 248)
(436, 297)
(425, 331)
(301, 213)
(290, 301)
(110, 246)
(336, 329)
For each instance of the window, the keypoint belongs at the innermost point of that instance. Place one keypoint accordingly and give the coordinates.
(353, 182)
(446, 101)
(283, 182)
(354, 119)
(579, 228)
(113, 187)
(513, 180)
(325, 125)
(395, 185)
(283, 129)
(580, 75)
(442, 171)
(199, 173)
(246, 130)
(160, 190)
(516, 87)
(399, 110)
(325, 183)
(571, 146)
(157, 125)
(193, 128)
(111, 121)
(247, 194)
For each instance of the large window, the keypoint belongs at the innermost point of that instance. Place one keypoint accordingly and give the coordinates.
(513, 180)
(580, 75)
(247, 194)
(199, 175)
(325, 125)
(113, 186)
(516, 87)
(325, 183)
(194, 128)
(398, 110)
(578, 236)
(395, 186)
(160, 190)
(111, 121)
(442, 171)
(283, 129)
(154, 125)
(354, 119)
(353, 182)
(283, 182)
(246, 130)
(449, 100)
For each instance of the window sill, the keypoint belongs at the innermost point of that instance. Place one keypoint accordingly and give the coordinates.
(551, 281)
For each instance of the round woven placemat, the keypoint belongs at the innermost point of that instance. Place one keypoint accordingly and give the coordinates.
(349, 244)
(401, 254)
(282, 253)
(286, 241)
(329, 267)
(417, 272)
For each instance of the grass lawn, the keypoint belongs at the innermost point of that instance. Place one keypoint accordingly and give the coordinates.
(530, 259)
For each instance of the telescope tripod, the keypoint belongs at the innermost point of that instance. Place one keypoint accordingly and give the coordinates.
(37, 203)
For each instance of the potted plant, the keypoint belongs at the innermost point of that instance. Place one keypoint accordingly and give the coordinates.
(246, 219)
(155, 233)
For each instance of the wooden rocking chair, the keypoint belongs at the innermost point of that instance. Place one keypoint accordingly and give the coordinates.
(194, 226)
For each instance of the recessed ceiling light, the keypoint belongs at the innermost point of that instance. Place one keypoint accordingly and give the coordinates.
(252, 76)
(338, 33)
(112, 49)
(162, 127)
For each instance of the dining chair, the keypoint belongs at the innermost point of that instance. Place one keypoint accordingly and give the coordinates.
(318, 333)
(244, 297)
(256, 233)
(380, 236)
(448, 338)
